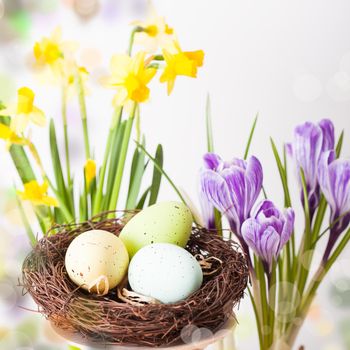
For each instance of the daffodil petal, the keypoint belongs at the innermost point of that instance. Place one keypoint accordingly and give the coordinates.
(37, 117)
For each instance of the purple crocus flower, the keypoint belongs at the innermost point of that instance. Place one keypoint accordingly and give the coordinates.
(310, 141)
(232, 187)
(267, 231)
(334, 179)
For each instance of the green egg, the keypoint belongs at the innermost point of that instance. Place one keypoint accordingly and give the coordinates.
(164, 222)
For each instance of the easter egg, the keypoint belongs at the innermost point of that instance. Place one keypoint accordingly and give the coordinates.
(165, 222)
(165, 272)
(97, 260)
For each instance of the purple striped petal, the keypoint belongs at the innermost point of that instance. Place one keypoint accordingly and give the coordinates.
(217, 191)
(307, 149)
(253, 184)
(287, 228)
(324, 178)
(211, 161)
(328, 141)
(207, 210)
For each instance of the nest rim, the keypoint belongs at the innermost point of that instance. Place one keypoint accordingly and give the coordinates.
(110, 320)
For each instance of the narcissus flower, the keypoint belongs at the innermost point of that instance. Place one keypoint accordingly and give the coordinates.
(90, 171)
(10, 136)
(129, 76)
(180, 62)
(155, 33)
(49, 50)
(24, 111)
(37, 194)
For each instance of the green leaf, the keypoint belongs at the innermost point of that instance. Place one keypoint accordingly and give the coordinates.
(26, 223)
(61, 188)
(163, 172)
(283, 175)
(340, 144)
(157, 175)
(210, 142)
(113, 161)
(136, 174)
(251, 134)
(143, 198)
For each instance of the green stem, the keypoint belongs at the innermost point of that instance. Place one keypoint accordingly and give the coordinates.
(263, 302)
(272, 302)
(65, 133)
(83, 113)
(257, 318)
(120, 168)
(311, 291)
(114, 126)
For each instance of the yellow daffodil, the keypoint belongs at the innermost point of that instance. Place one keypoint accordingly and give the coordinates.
(49, 50)
(90, 171)
(155, 33)
(37, 194)
(179, 62)
(129, 76)
(24, 111)
(10, 136)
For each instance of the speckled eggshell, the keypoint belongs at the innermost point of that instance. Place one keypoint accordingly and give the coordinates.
(96, 253)
(164, 222)
(165, 272)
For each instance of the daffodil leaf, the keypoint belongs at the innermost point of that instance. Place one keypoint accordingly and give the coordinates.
(157, 175)
(210, 141)
(143, 198)
(136, 174)
(26, 223)
(57, 168)
(113, 162)
(154, 161)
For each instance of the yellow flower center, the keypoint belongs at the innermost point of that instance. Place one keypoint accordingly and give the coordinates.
(152, 30)
(25, 100)
(137, 91)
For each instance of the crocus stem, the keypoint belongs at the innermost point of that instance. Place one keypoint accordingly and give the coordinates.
(65, 132)
(311, 291)
(272, 302)
(83, 114)
(254, 297)
(114, 125)
(120, 168)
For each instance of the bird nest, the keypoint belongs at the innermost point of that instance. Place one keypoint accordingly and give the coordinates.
(123, 317)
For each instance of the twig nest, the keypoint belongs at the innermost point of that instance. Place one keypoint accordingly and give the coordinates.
(122, 317)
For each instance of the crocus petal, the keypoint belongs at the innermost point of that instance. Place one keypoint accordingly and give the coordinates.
(211, 161)
(207, 210)
(289, 149)
(253, 184)
(307, 149)
(287, 228)
(235, 180)
(328, 134)
(269, 243)
(324, 178)
(217, 192)
(339, 175)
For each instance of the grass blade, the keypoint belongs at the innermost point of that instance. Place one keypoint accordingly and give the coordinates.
(251, 134)
(157, 175)
(340, 144)
(136, 174)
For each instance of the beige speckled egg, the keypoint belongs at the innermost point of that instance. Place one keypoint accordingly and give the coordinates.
(164, 222)
(97, 261)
